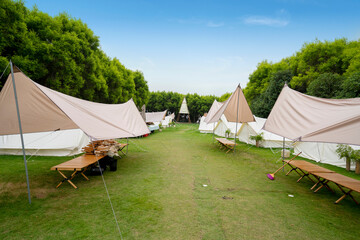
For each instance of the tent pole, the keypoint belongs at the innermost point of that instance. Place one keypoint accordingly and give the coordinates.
(237, 117)
(283, 152)
(213, 132)
(21, 133)
(127, 146)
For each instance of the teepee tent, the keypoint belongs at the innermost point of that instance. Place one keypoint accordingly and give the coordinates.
(235, 109)
(184, 111)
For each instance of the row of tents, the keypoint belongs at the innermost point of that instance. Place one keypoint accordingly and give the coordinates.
(55, 124)
(311, 125)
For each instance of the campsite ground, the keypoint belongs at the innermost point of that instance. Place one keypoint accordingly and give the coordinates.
(174, 184)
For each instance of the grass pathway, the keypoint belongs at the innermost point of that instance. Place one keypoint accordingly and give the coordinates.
(174, 184)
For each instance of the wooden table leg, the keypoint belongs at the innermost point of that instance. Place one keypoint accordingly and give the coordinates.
(348, 193)
(67, 179)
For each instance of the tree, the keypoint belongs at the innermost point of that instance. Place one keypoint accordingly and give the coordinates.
(327, 85)
(264, 103)
(351, 86)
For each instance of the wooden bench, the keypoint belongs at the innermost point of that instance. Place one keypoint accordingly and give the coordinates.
(226, 143)
(77, 165)
(323, 176)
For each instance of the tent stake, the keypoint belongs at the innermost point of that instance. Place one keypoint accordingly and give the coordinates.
(21, 133)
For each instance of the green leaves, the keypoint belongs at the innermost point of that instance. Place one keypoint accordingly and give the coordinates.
(63, 53)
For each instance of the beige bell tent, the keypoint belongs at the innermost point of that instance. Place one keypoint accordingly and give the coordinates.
(209, 127)
(235, 109)
(28, 107)
(43, 109)
(300, 117)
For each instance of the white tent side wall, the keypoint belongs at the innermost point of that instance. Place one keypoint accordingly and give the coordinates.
(222, 125)
(206, 128)
(56, 143)
(322, 152)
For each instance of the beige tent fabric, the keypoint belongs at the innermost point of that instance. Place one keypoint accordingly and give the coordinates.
(235, 109)
(43, 109)
(155, 116)
(38, 113)
(213, 109)
(183, 108)
(310, 119)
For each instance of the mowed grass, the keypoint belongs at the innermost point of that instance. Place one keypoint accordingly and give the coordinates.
(175, 184)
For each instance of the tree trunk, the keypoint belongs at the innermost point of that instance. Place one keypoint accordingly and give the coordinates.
(257, 143)
(348, 164)
(357, 167)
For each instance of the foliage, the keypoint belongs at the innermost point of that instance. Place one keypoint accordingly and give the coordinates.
(344, 151)
(263, 104)
(327, 85)
(64, 54)
(197, 105)
(351, 86)
(227, 132)
(259, 137)
(324, 69)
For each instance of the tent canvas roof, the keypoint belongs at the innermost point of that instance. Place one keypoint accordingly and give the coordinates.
(235, 109)
(155, 116)
(43, 109)
(306, 118)
(213, 109)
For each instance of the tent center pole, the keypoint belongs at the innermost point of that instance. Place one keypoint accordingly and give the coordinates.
(283, 153)
(237, 119)
(21, 133)
(127, 146)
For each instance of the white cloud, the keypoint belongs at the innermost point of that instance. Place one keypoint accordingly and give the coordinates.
(261, 20)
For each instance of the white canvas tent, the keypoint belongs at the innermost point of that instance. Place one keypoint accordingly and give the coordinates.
(321, 152)
(56, 143)
(28, 107)
(204, 127)
(318, 124)
(270, 140)
(168, 119)
(235, 109)
(155, 117)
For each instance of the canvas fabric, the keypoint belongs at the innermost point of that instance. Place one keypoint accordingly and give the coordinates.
(43, 109)
(300, 117)
(235, 109)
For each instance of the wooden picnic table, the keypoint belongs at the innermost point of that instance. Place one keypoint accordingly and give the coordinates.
(77, 165)
(226, 143)
(323, 176)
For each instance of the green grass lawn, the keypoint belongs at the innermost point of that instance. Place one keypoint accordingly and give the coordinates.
(159, 192)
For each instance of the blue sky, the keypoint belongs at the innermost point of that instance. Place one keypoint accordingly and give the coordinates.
(207, 47)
